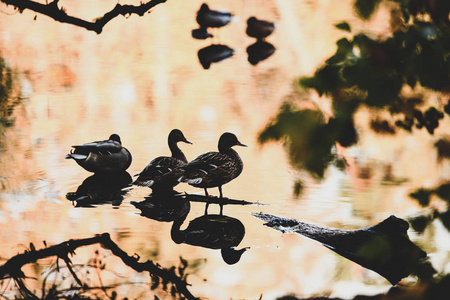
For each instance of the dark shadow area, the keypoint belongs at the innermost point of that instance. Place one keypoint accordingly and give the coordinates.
(213, 232)
(384, 248)
(101, 188)
(213, 54)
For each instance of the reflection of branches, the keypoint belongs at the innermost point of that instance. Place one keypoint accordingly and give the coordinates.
(59, 14)
(12, 268)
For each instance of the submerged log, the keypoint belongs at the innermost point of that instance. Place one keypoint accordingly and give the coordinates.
(384, 248)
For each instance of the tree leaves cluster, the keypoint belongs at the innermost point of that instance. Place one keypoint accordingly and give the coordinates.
(374, 72)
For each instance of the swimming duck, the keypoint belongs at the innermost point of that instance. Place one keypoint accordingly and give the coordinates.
(102, 156)
(212, 18)
(214, 169)
(163, 172)
(259, 28)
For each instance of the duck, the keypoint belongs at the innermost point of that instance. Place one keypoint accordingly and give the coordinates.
(102, 156)
(259, 29)
(214, 169)
(212, 18)
(162, 173)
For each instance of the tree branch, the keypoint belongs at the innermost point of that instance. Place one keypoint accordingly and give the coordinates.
(59, 14)
(14, 265)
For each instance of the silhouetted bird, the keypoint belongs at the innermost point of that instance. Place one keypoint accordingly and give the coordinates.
(102, 156)
(214, 169)
(214, 232)
(213, 53)
(259, 29)
(163, 172)
(212, 18)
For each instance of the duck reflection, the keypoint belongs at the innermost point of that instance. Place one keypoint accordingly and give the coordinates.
(201, 33)
(259, 51)
(214, 232)
(214, 53)
(101, 188)
(164, 206)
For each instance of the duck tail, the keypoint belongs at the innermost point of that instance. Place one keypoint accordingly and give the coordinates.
(76, 156)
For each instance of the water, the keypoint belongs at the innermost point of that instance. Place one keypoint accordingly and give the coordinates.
(141, 78)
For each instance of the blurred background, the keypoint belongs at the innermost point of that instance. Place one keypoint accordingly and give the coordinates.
(142, 77)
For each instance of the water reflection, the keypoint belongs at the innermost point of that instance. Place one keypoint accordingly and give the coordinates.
(259, 51)
(164, 206)
(101, 188)
(214, 53)
(214, 232)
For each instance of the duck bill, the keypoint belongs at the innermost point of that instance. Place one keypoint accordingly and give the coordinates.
(187, 141)
(240, 144)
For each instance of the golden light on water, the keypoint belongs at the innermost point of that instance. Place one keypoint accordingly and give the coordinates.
(140, 78)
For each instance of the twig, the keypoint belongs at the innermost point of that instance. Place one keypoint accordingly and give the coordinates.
(59, 14)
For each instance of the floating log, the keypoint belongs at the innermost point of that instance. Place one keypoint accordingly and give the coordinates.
(384, 248)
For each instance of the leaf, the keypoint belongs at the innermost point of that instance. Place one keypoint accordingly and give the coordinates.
(343, 26)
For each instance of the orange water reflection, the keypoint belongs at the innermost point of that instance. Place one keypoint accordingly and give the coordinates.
(140, 78)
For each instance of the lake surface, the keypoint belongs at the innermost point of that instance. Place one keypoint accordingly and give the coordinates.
(141, 78)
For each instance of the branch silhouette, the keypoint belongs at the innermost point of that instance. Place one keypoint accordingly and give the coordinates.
(52, 10)
(13, 267)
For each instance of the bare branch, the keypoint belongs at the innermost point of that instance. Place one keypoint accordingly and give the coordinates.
(59, 14)
(14, 265)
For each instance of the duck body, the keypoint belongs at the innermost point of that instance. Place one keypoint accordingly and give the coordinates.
(259, 29)
(212, 18)
(163, 172)
(102, 156)
(214, 169)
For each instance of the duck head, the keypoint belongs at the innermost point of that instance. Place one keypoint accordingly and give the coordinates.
(228, 140)
(115, 137)
(177, 136)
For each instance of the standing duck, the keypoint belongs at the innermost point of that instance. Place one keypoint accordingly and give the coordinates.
(163, 172)
(212, 18)
(102, 156)
(214, 169)
(259, 29)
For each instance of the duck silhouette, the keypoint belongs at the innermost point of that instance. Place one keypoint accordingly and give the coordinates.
(214, 169)
(163, 172)
(213, 232)
(102, 156)
(207, 17)
(259, 29)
